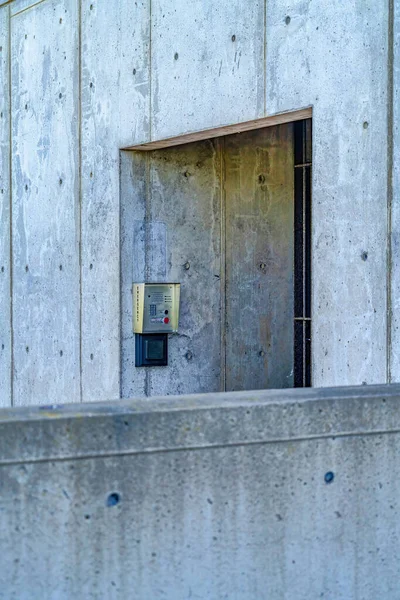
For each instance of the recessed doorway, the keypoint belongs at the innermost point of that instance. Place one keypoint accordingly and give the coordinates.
(230, 219)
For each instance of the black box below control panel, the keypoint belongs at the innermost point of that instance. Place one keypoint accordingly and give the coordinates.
(151, 349)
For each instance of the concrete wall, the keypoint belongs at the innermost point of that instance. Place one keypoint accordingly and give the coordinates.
(45, 201)
(147, 70)
(209, 497)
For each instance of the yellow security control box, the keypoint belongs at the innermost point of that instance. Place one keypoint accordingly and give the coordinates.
(156, 307)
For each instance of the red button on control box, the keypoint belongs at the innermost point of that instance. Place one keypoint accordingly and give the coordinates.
(166, 320)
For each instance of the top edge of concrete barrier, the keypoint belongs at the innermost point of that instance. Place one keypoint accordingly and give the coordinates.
(61, 432)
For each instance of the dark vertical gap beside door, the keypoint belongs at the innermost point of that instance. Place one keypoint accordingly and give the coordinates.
(302, 253)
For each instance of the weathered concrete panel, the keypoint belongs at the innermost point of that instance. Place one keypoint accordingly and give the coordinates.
(395, 176)
(5, 192)
(206, 64)
(259, 258)
(185, 195)
(179, 239)
(45, 203)
(334, 55)
(225, 497)
(134, 187)
(115, 108)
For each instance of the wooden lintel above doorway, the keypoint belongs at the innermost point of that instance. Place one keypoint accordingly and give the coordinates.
(205, 134)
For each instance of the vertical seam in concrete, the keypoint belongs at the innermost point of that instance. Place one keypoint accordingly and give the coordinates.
(120, 280)
(80, 193)
(147, 384)
(311, 251)
(150, 71)
(221, 150)
(265, 57)
(390, 109)
(10, 186)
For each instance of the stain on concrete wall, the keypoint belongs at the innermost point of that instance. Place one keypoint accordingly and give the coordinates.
(133, 189)
(45, 204)
(259, 259)
(115, 109)
(181, 209)
(213, 51)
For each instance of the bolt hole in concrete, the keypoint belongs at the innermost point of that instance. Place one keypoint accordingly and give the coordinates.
(364, 256)
(61, 353)
(113, 499)
(91, 357)
(176, 56)
(365, 124)
(287, 20)
(26, 268)
(2, 269)
(233, 38)
(134, 71)
(329, 477)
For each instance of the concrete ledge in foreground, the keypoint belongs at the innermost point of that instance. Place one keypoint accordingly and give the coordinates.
(291, 494)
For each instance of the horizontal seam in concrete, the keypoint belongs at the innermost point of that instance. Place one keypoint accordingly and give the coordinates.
(133, 452)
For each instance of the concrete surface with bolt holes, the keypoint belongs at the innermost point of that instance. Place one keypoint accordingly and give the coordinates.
(148, 70)
(290, 495)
